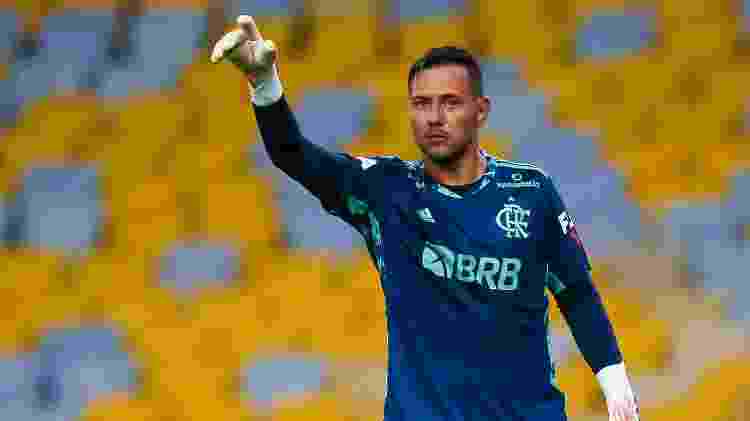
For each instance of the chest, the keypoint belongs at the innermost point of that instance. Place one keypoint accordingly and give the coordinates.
(491, 222)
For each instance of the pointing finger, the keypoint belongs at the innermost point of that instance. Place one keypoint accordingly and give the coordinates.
(247, 24)
(226, 44)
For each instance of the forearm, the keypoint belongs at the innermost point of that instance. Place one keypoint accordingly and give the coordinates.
(299, 158)
(584, 312)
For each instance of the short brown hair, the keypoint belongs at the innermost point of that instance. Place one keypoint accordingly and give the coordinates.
(450, 55)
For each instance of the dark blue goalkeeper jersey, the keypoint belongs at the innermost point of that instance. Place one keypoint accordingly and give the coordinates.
(464, 277)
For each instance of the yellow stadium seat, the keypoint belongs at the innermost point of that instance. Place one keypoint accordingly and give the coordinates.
(148, 4)
(586, 95)
(108, 282)
(218, 102)
(696, 10)
(418, 37)
(166, 4)
(228, 319)
(352, 311)
(34, 297)
(120, 406)
(649, 347)
(144, 217)
(580, 386)
(9, 182)
(186, 356)
(645, 337)
(282, 299)
(720, 394)
(341, 46)
(340, 319)
(255, 226)
(34, 11)
(143, 144)
(391, 133)
(51, 132)
(322, 406)
(353, 8)
(585, 7)
(537, 34)
(671, 171)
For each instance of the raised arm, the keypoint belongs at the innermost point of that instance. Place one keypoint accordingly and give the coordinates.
(334, 178)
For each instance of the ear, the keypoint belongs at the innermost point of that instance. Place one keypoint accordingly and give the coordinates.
(484, 110)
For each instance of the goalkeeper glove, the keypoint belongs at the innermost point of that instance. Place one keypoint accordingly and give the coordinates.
(621, 402)
(254, 57)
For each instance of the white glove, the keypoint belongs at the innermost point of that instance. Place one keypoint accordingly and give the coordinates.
(621, 402)
(254, 57)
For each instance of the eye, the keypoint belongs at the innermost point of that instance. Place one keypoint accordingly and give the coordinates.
(452, 102)
(419, 103)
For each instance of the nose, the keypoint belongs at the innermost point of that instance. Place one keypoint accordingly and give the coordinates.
(436, 115)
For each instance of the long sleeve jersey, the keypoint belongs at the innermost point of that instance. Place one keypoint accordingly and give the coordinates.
(464, 274)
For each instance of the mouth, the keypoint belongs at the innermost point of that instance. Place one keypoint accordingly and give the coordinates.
(437, 137)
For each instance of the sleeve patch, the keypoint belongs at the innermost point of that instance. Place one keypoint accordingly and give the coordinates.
(366, 162)
(566, 222)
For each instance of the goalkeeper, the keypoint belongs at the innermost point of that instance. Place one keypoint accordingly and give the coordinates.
(465, 244)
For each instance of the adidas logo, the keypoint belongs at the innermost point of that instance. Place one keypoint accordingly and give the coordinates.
(425, 215)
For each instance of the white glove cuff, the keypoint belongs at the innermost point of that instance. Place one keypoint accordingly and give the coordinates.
(268, 88)
(614, 382)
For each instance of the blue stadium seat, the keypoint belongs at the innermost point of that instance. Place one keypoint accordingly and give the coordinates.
(692, 228)
(407, 10)
(328, 117)
(724, 271)
(562, 345)
(72, 43)
(517, 114)
(18, 399)
(10, 102)
(261, 8)
(331, 118)
(738, 202)
(61, 208)
(306, 225)
(3, 222)
(501, 77)
(614, 33)
(516, 110)
(164, 42)
(82, 364)
(732, 258)
(268, 380)
(9, 26)
(703, 235)
(189, 266)
(593, 192)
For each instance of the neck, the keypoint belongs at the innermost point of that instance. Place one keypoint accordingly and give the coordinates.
(464, 170)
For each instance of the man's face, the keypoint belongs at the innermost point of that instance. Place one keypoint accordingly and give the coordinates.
(445, 114)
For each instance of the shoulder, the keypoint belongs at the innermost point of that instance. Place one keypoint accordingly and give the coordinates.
(522, 175)
(505, 168)
(380, 162)
(386, 163)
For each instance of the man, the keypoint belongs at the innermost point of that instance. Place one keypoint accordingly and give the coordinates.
(465, 244)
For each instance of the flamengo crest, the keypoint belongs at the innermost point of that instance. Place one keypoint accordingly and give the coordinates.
(513, 220)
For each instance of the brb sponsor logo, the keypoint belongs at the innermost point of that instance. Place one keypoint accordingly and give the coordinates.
(489, 272)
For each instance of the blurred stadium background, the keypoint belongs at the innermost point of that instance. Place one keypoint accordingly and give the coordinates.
(156, 267)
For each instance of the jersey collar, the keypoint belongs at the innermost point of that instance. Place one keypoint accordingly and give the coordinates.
(425, 182)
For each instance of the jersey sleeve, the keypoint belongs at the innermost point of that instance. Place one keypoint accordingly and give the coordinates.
(567, 259)
(344, 184)
(569, 280)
